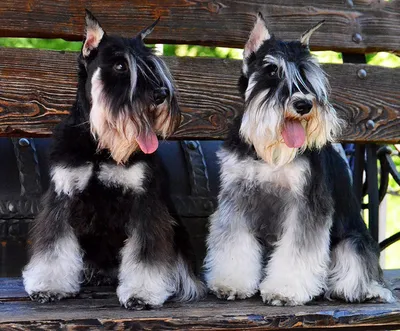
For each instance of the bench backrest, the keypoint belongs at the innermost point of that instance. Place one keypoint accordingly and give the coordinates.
(37, 87)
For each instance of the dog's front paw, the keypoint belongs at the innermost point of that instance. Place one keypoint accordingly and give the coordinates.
(288, 294)
(230, 293)
(137, 304)
(141, 298)
(277, 299)
(49, 296)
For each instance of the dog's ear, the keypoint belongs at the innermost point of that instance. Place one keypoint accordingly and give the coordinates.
(93, 34)
(258, 35)
(305, 37)
(146, 31)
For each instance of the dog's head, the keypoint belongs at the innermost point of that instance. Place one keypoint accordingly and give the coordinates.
(131, 92)
(286, 97)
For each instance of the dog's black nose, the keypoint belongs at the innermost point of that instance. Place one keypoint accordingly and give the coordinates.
(160, 95)
(303, 107)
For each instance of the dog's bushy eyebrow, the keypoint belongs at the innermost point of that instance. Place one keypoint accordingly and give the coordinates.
(317, 78)
(297, 74)
(118, 53)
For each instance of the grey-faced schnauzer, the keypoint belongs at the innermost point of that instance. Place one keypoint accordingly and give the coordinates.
(288, 224)
(106, 212)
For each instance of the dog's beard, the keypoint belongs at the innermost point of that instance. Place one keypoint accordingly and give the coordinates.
(163, 122)
(115, 133)
(124, 132)
(263, 123)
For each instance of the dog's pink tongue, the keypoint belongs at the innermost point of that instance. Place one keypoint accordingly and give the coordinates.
(148, 142)
(293, 134)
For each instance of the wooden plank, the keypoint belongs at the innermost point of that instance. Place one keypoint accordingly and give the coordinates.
(213, 23)
(99, 308)
(37, 88)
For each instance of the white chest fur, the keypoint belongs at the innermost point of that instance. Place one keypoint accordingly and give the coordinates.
(291, 176)
(129, 178)
(70, 180)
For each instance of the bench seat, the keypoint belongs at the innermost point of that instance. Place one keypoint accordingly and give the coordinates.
(98, 308)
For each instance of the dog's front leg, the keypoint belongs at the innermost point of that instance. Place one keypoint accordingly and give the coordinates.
(234, 256)
(147, 276)
(297, 269)
(144, 282)
(55, 268)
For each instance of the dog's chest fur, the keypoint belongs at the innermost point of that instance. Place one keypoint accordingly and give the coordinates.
(263, 194)
(291, 178)
(71, 180)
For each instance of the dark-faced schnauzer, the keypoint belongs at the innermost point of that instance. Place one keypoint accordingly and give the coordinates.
(288, 224)
(105, 210)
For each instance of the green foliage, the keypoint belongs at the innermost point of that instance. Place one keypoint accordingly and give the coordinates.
(49, 44)
(193, 51)
(383, 59)
(328, 57)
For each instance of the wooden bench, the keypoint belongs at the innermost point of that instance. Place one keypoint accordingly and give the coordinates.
(37, 87)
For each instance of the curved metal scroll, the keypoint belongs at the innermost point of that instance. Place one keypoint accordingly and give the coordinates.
(200, 201)
(387, 167)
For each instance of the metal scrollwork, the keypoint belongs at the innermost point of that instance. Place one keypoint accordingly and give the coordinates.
(388, 167)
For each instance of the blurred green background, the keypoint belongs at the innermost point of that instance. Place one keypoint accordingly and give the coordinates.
(391, 256)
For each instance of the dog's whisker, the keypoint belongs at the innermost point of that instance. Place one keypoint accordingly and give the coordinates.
(145, 74)
(149, 70)
(83, 123)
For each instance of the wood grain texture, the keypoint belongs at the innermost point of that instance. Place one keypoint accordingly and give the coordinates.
(213, 23)
(37, 88)
(98, 308)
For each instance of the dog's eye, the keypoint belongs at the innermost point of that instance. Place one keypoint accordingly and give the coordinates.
(271, 70)
(120, 66)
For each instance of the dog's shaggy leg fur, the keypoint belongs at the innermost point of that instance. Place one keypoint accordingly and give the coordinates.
(354, 274)
(233, 262)
(55, 269)
(151, 269)
(142, 283)
(296, 271)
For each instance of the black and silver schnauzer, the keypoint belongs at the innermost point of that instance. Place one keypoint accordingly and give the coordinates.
(288, 224)
(106, 212)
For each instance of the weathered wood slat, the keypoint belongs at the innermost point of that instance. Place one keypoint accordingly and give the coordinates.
(37, 88)
(213, 23)
(98, 308)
